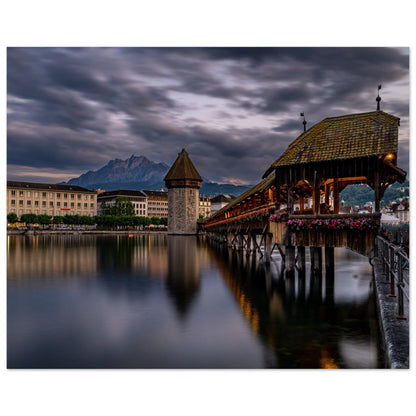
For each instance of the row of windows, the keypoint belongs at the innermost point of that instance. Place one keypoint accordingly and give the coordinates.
(50, 212)
(51, 195)
(51, 204)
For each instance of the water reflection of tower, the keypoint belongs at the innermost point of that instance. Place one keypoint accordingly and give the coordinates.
(183, 272)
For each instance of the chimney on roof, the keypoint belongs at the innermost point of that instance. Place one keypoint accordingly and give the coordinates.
(378, 99)
(304, 121)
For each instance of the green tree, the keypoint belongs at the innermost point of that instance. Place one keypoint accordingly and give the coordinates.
(105, 209)
(12, 218)
(155, 220)
(28, 218)
(58, 219)
(123, 206)
(43, 219)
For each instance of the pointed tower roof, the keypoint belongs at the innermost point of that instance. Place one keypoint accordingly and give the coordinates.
(183, 173)
(183, 169)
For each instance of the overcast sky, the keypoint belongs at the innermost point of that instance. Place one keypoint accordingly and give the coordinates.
(235, 110)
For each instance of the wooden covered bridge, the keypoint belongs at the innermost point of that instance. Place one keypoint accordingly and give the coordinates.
(296, 205)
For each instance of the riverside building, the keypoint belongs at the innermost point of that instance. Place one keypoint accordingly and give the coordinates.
(204, 208)
(157, 204)
(50, 199)
(137, 198)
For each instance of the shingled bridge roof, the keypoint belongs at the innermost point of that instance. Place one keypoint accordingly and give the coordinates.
(343, 137)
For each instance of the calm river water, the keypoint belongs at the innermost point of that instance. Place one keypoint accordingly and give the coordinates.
(158, 301)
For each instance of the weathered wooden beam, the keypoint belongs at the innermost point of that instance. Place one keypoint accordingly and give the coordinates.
(336, 196)
(301, 258)
(268, 247)
(290, 258)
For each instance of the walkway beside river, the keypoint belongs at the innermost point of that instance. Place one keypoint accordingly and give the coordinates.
(394, 332)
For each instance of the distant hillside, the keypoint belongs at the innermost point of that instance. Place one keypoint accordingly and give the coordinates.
(138, 172)
(134, 169)
(360, 194)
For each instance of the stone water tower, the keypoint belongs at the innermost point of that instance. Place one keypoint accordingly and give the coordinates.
(183, 183)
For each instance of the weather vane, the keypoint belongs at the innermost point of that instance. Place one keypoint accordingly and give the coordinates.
(304, 121)
(378, 99)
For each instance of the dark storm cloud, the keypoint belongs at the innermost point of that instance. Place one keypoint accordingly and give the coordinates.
(79, 107)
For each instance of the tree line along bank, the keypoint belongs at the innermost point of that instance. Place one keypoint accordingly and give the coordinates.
(119, 215)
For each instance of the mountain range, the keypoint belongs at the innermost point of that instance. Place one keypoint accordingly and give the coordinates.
(138, 172)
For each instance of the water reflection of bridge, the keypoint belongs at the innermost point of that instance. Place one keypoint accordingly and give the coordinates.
(296, 205)
(296, 318)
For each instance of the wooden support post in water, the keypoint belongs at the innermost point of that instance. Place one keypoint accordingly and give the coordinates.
(301, 258)
(329, 274)
(229, 239)
(248, 246)
(239, 242)
(316, 259)
(329, 258)
(312, 257)
(290, 259)
(268, 247)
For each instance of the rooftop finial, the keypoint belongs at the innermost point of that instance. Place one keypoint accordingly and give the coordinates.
(304, 121)
(378, 99)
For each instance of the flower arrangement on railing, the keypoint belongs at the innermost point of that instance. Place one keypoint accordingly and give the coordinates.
(360, 223)
(255, 215)
(241, 219)
(279, 217)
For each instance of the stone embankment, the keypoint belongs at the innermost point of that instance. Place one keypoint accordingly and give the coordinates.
(394, 331)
